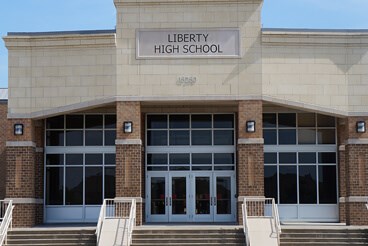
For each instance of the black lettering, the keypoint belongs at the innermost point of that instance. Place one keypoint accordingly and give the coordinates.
(192, 38)
(205, 37)
(185, 49)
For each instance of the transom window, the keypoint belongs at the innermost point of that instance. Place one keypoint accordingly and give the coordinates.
(180, 142)
(300, 158)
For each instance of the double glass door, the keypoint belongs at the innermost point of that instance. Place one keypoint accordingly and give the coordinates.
(191, 197)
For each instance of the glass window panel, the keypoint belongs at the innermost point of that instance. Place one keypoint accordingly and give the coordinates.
(110, 121)
(269, 120)
(327, 184)
(307, 158)
(325, 121)
(224, 168)
(94, 138)
(270, 182)
(93, 193)
(202, 159)
(223, 137)
(327, 157)
(74, 186)
(307, 136)
(179, 121)
(270, 158)
(157, 121)
(109, 182)
(288, 185)
(270, 137)
(223, 158)
(223, 195)
(74, 159)
(179, 137)
(202, 137)
(177, 159)
(110, 137)
(202, 195)
(55, 138)
(74, 138)
(287, 136)
(55, 122)
(223, 121)
(54, 185)
(93, 159)
(110, 159)
(306, 120)
(74, 122)
(287, 120)
(326, 136)
(307, 185)
(55, 159)
(156, 138)
(158, 195)
(94, 121)
(287, 158)
(179, 195)
(201, 121)
(157, 168)
(202, 168)
(156, 159)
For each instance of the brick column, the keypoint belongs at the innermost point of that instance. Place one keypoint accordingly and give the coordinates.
(3, 131)
(250, 170)
(24, 183)
(353, 172)
(129, 167)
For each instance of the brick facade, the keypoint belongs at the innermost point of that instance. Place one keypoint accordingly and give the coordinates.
(24, 183)
(353, 172)
(250, 159)
(3, 131)
(129, 164)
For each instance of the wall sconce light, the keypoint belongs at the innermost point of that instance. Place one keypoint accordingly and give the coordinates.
(128, 127)
(360, 127)
(250, 126)
(18, 129)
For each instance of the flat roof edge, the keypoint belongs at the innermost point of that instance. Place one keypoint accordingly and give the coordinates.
(77, 32)
(307, 30)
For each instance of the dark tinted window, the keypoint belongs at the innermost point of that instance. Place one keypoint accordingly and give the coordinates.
(270, 182)
(54, 184)
(223, 121)
(93, 185)
(201, 121)
(269, 120)
(94, 121)
(55, 122)
(307, 185)
(327, 184)
(74, 186)
(288, 185)
(74, 121)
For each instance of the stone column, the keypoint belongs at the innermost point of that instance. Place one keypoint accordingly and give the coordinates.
(356, 174)
(129, 167)
(24, 183)
(250, 164)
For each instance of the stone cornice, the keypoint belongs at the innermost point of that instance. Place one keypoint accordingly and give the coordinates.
(346, 38)
(59, 40)
(180, 2)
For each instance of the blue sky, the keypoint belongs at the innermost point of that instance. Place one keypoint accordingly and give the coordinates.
(56, 15)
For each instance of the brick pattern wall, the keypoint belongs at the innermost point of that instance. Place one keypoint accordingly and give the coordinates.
(353, 166)
(129, 157)
(27, 215)
(3, 133)
(249, 111)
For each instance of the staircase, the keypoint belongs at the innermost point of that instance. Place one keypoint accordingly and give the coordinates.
(52, 237)
(324, 236)
(188, 235)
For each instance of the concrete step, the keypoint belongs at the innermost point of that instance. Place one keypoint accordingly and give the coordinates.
(186, 244)
(185, 235)
(51, 237)
(331, 239)
(323, 235)
(320, 244)
(189, 240)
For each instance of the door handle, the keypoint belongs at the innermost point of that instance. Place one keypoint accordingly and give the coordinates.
(211, 201)
(170, 201)
(214, 201)
(166, 201)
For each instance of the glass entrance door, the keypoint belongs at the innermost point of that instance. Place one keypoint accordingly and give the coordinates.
(214, 197)
(167, 198)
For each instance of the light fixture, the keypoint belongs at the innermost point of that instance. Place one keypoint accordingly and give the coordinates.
(250, 126)
(360, 127)
(18, 129)
(128, 127)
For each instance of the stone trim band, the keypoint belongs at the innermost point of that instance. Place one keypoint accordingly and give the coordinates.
(128, 141)
(25, 200)
(250, 141)
(20, 144)
(353, 199)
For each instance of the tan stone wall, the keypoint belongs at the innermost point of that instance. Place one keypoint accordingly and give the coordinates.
(3, 133)
(59, 71)
(215, 77)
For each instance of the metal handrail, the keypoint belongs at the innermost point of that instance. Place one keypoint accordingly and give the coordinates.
(257, 209)
(6, 219)
(119, 208)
